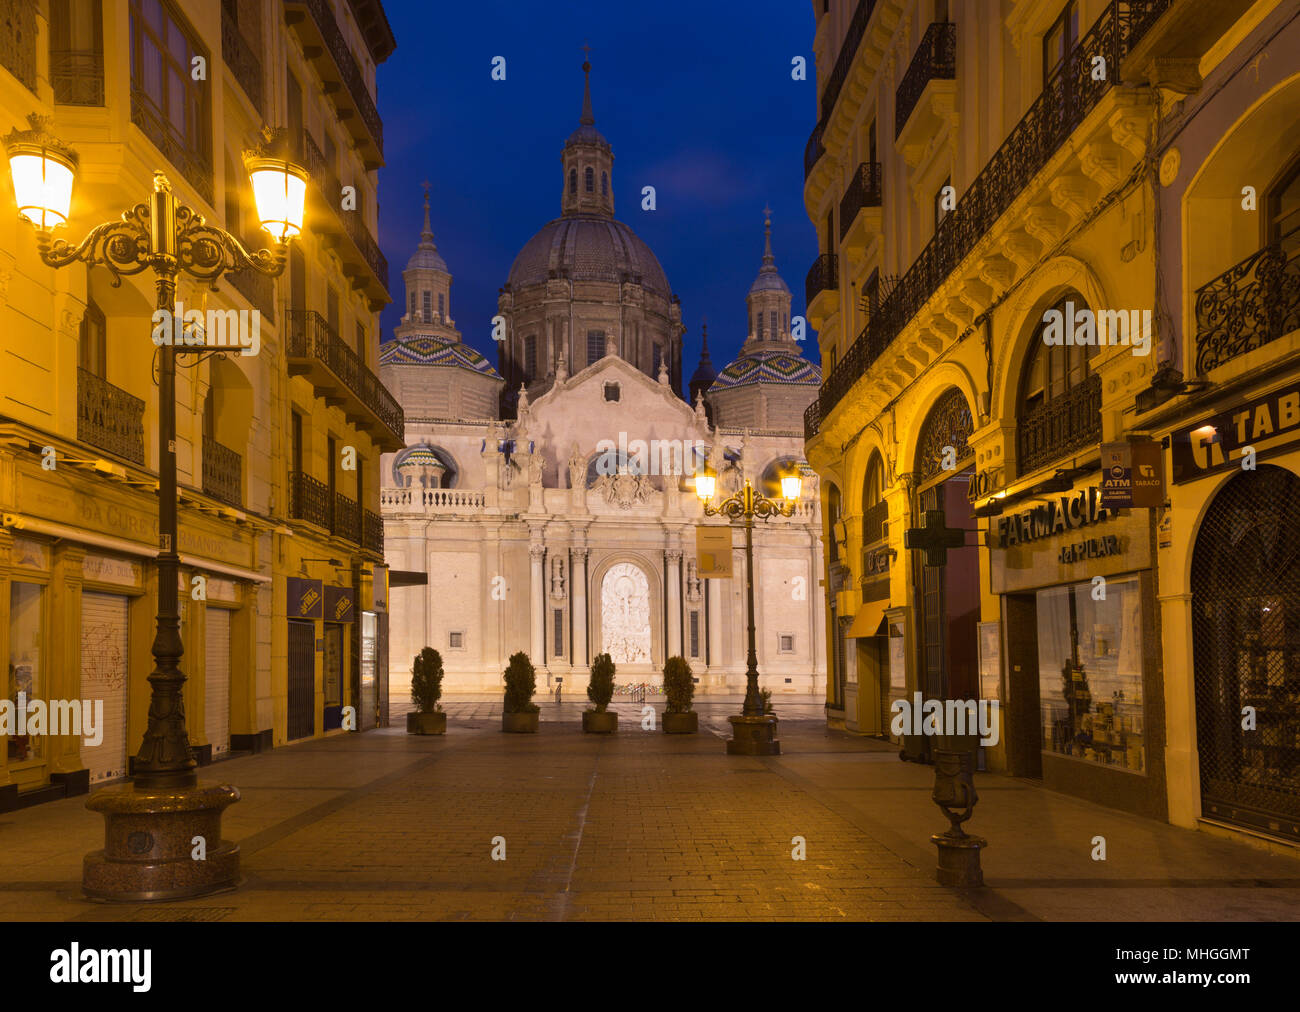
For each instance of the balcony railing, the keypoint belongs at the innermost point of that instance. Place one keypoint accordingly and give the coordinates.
(109, 417)
(935, 59)
(323, 18)
(309, 500)
(1059, 426)
(823, 276)
(222, 472)
(345, 522)
(241, 59)
(814, 149)
(863, 191)
(449, 500)
(256, 287)
(372, 532)
(193, 161)
(311, 340)
(330, 190)
(1031, 144)
(77, 77)
(874, 521)
(848, 50)
(1249, 305)
(18, 40)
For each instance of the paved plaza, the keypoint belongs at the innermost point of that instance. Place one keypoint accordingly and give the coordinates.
(646, 826)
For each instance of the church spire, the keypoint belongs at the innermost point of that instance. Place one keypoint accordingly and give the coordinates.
(769, 261)
(426, 236)
(588, 162)
(587, 118)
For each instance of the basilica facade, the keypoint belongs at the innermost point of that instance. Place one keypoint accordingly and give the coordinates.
(548, 504)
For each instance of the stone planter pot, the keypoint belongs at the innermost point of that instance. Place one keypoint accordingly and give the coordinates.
(426, 723)
(599, 723)
(519, 723)
(681, 723)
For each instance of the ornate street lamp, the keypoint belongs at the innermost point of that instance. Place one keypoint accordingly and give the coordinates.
(753, 732)
(152, 822)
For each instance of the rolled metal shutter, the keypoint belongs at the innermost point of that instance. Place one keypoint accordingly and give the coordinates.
(216, 687)
(104, 677)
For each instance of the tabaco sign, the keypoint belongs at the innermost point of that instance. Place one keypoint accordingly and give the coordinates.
(1218, 442)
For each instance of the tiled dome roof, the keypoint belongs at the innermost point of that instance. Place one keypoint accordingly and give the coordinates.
(588, 248)
(779, 368)
(433, 352)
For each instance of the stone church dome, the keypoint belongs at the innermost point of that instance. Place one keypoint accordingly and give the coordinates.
(588, 249)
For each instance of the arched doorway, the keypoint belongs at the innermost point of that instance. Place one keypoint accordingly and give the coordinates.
(625, 614)
(948, 596)
(1246, 642)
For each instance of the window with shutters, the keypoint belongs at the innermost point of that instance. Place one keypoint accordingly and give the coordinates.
(93, 352)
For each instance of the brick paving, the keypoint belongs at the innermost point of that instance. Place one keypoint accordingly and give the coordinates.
(646, 826)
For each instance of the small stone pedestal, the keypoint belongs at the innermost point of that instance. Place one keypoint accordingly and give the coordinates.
(959, 859)
(753, 736)
(149, 843)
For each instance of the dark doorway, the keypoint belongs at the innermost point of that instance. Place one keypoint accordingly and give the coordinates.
(302, 680)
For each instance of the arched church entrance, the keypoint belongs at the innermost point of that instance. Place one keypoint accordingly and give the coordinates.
(625, 614)
(947, 595)
(1246, 642)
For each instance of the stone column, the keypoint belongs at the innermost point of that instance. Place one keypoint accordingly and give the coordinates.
(579, 577)
(673, 643)
(537, 602)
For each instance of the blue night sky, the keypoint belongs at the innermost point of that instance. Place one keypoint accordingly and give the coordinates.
(696, 100)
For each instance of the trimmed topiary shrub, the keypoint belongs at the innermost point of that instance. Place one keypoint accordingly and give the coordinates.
(426, 680)
(600, 690)
(679, 685)
(521, 683)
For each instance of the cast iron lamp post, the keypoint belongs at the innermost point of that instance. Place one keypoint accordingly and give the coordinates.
(753, 732)
(153, 823)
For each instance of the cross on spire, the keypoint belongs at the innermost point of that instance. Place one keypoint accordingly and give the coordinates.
(587, 119)
(934, 537)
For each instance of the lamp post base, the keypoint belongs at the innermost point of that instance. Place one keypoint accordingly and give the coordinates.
(161, 844)
(959, 859)
(753, 736)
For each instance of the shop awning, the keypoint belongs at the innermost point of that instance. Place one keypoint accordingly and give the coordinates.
(868, 620)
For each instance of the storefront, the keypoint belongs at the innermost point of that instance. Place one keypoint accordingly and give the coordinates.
(1084, 691)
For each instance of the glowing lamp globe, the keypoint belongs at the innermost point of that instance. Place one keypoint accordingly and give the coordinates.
(704, 486)
(791, 485)
(42, 169)
(279, 194)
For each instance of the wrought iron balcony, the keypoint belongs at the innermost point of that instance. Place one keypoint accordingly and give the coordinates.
(309, 500)
(345, 521)
(18, 41)
(848, 50)
(223, 471)
(863, 191)
(194, 161)
(813, 150)
(812, 418)
(1059, 426)
(77, 76)
(109, 417)
(328, 214)
(256, 287)
(823, 276)
(1032, 143)
(338, 373)
(1249, 305)
(372, 532)
(240, 58)
(935, 59)
(875, 520)
(321, 37)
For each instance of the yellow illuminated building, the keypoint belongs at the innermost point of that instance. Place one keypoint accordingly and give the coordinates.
(283, 588)
(991, 194)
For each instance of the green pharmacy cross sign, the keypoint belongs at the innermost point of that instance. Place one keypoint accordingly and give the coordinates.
(934, 537)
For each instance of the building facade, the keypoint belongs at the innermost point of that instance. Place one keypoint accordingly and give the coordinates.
(992, 194)
(278, 452)
(563, 525)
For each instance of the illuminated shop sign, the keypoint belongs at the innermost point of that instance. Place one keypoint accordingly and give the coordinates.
(1220, 441)
(1044, 520)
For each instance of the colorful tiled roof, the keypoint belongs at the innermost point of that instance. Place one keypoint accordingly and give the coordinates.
(431, 351)
(776, 367)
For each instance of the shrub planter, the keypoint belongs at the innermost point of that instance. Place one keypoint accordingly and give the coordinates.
(595, 722)
(682, 723)
(519, 723)
(426, 723)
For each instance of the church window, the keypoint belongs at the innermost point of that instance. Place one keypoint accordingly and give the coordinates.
(695, 634)
(595, 346)
(428, 306)
(591, 179)
(573, 182)
(442, 306)
(559, 631)
(772, 323)
(604, 184)
(785, 643)
(612, 391)
(530, 356)
(412, 305)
